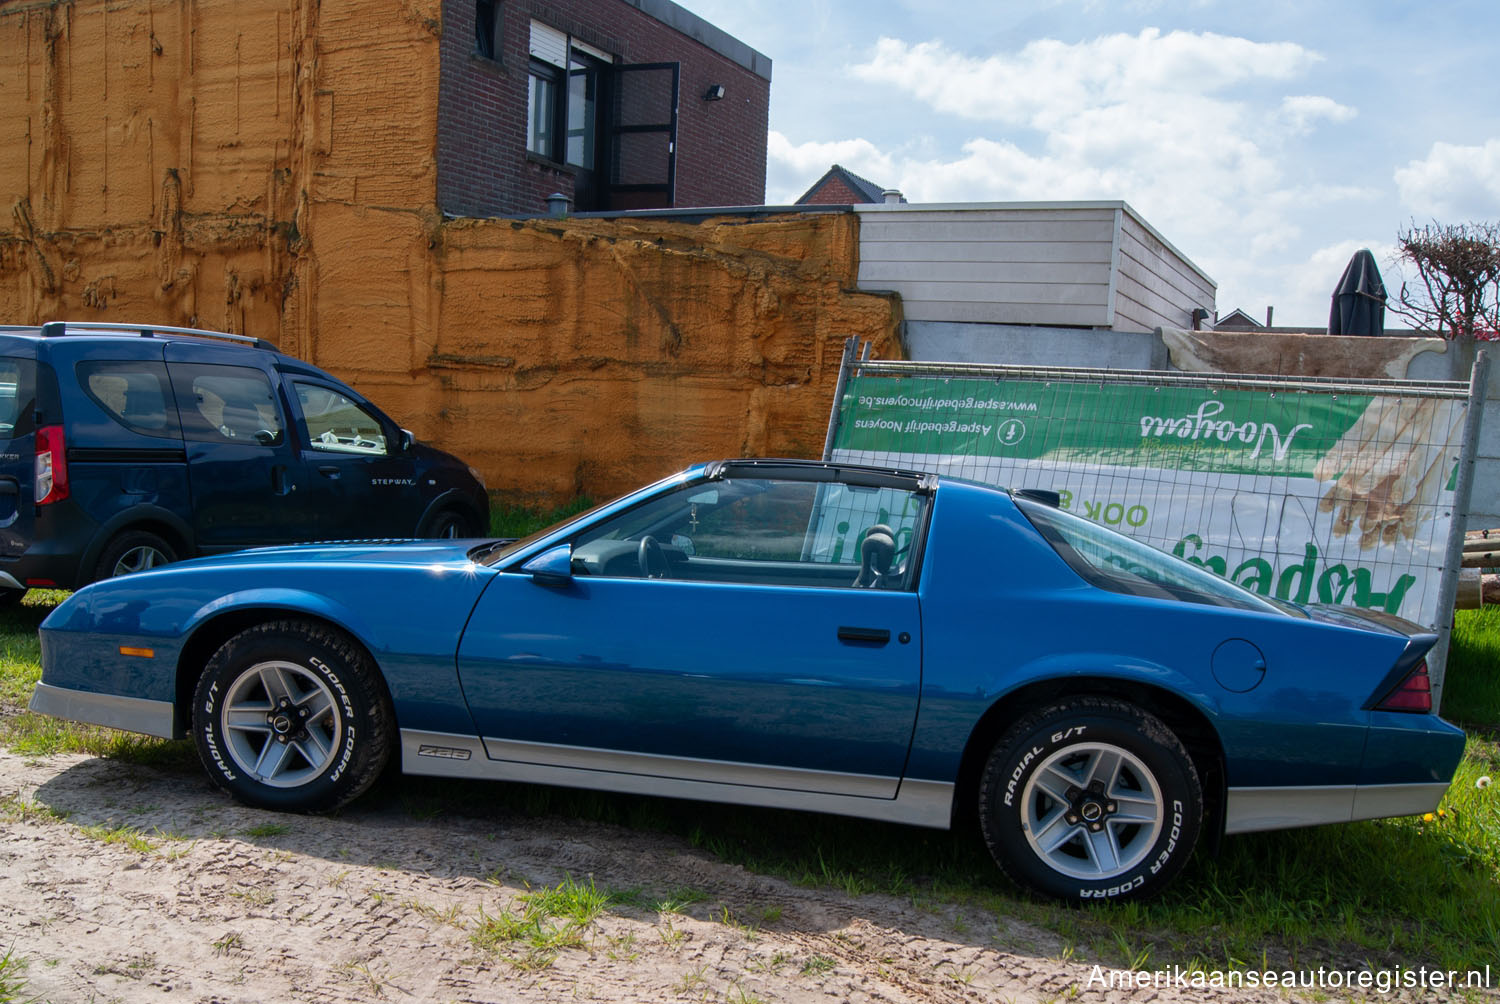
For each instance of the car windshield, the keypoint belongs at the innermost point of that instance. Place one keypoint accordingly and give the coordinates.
(1121, 564)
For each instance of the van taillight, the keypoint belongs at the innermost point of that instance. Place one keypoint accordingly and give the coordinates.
(51, 465)
(1413, 693)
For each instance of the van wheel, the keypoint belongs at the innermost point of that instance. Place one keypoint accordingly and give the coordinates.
(11, 598)
(133, 551)
(452, 524)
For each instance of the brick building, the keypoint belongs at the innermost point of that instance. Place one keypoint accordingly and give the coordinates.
(618, 104)
(842, 187)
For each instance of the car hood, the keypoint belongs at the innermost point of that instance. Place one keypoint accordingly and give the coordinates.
(427, 553)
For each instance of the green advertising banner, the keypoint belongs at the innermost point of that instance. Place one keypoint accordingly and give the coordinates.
(1302, 495)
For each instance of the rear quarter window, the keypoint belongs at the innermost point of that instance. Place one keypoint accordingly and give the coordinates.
(135, 393)
(17, 397)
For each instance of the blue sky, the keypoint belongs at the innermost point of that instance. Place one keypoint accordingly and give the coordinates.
(1268, 141)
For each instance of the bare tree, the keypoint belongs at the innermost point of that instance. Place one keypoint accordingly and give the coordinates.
(1457, 292)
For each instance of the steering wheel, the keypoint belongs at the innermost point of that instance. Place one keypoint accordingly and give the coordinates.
(652, 559)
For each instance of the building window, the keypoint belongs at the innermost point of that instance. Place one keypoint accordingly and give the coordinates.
(544, 110)
(564, 99)
(487, 29)
(583, 110)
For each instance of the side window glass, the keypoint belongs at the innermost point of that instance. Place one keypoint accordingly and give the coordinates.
(17, 397)
(133, 393)
(234, 404)
(763, 531)
(336, 424)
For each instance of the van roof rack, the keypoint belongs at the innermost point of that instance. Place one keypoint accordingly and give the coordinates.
(53, 329)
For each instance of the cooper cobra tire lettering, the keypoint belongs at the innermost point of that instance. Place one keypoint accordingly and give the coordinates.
(1110, 785)
(293, 715)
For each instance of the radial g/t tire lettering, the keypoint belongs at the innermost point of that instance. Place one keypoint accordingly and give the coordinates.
(292, 715)
(1090, 798)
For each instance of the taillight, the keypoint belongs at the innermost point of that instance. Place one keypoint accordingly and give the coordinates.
(1413, 693)
(51, 465)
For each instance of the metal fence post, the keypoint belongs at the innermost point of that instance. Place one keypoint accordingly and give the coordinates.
(1437, 660)
(851, 346)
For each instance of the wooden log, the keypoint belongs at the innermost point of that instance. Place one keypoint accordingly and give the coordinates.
(1470, 590)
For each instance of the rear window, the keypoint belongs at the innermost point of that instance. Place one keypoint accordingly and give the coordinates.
(132, 392)
(17, 397)
(1122, 564)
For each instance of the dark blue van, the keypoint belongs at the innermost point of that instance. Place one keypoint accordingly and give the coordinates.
(127, 446)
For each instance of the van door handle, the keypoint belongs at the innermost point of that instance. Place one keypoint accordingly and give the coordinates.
(330, 471)
(877, 635)
(279, 484)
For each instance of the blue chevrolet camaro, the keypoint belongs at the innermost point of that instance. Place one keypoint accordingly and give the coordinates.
(870, 642)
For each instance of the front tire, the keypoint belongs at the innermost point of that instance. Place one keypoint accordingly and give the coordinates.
(1091, 798)
(292, 715)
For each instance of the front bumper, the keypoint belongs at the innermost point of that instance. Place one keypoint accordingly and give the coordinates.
(132, 714)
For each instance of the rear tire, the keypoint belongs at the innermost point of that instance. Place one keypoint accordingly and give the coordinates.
(1091, 798)
(292, 715)
(451, 524)
(133, 551)
(11, 598)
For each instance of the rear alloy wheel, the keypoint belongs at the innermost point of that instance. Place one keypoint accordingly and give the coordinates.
(452, 525)
(1091, 798)
(133, 551)
(292, 715)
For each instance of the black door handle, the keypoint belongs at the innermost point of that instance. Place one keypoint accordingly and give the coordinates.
(877, 635)
(329, 470)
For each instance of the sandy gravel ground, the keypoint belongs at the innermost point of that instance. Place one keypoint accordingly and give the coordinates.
(239, 906)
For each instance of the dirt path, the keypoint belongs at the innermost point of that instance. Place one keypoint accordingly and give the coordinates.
(236, 905)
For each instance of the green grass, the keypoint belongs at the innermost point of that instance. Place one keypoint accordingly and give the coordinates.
(1471, 686)
(521, 521)
(544, 922)
(12, 978)
(1408, 891)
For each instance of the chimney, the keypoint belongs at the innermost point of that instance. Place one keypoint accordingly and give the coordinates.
(892, 196)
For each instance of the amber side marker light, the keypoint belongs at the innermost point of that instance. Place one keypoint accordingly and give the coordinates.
(144, 653)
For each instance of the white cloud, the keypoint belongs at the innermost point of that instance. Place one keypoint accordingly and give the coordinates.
(1050, 81)
(1303, 111)
(1196, 130)
(792, 167)
(1454, 183)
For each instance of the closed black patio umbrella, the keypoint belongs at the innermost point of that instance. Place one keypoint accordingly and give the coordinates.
(1359, 299)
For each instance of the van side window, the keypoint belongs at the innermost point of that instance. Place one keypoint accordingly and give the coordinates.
(17, 397)
(335, 424)
(233, 404)
(133, 393)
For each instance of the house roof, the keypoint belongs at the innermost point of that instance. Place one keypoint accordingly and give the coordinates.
(1237, 318)
(864, 187)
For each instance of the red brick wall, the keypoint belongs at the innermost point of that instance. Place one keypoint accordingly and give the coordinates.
(483, 167)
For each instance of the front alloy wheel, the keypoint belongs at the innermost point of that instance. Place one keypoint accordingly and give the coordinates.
(292, 715)
(280, 723)
(1091, 798)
